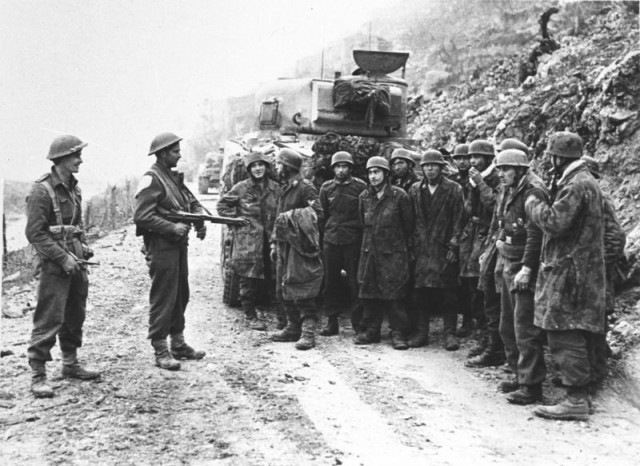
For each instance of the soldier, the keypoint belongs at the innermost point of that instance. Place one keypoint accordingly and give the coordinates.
(254, 200)
(297, 289)
(437, 205)
(479, 207)
(571, 288)
(402, 174)
(518, 243)
(166, 250)
(55, 229)
(383, 271)
(614, 242)
(341, 241)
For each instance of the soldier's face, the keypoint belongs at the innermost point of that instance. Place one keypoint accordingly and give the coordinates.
(376, 176)
(400, 167)
(432, 171)
(463, 162)
(341, 171)
(71, 163)
(280, 169)
(258, 169)
(508, 176)
(171, 155)
(478, 162)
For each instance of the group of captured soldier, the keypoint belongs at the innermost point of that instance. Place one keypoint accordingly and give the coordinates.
(524, 264)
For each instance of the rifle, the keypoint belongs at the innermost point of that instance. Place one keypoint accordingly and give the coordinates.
(192, 218)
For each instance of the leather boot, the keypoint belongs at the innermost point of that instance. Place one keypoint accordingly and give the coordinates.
(526, 395)
(181, 350)
(331, 327)
(398, 341)
(255, 324)
(39, 386)
(421, 337)
(479, 346)
(493, 355)
(291, 332)
(71, 368)
(163, 357)
(574, 408)
(369, 336)
(509, 385)
(466, 328)
(451, 342)
(308, 338)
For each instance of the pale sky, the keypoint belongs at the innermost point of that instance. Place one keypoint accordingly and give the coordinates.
(117, 72)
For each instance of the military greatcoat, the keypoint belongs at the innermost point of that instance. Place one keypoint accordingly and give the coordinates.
(255, 201)
(571, 289)
(437, 232)
(384, 255)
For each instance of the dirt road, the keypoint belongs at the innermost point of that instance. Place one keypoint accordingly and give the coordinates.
(253, 402)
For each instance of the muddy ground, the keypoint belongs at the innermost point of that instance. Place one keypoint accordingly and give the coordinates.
(254, 402)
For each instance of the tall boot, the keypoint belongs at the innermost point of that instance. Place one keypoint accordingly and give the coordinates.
(308, 338)
(370, 335)
(181, 350)
(292, 331)
(163, 357)
(39, 386)
(493, 355)
(398, 341)
(480, 345)
(421, 336)
(71, 368)
(575, 407)
(331, 328)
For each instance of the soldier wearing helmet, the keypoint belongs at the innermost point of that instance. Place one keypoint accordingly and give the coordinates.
(570, 297)
(438, 206)
(479, 207)
(254, 200)
(402, 174)
(383, 272)
(341, 240)
(166, 250)
(298, 204)
(518, 241)
(55, 229)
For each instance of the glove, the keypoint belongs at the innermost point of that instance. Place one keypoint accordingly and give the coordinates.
(181, 230)
(70, 265)
(274, 252)
(522, 279)
(87, 252)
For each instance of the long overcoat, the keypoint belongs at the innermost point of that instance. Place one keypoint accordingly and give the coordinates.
(437, 231)
(479, 207)
(387, 223)
(571, 289)
(255, 201)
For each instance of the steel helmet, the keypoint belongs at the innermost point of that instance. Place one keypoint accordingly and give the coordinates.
(481, 147)
(403, 154)
(564, 144)
(512, 158)
(432, 156)
(592, 165)
(65, 145)
(341, 157)
(512, 143)
(461, 150)
(290, 158)
(253, 157)
(378, 162)
(162, 141)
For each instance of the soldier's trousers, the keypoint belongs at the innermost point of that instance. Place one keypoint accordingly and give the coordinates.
(300, 310)
(60, 311)
(471, 299)
(523, 341)
(569, 349)
(169, 295)
(374, 311)
(337, 258)
(439, 300)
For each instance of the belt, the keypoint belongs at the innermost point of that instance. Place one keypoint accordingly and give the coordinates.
(65, 231)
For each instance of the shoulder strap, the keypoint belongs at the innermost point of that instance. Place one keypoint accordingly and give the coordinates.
(54, 200)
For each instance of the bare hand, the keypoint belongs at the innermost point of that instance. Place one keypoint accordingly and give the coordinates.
(522, 278)
(181, 230)
(500, 245)
(201, 232)
(274, 252)
(70, 265)
(475, 175)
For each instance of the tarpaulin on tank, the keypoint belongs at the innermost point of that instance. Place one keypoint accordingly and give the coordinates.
(360, 94)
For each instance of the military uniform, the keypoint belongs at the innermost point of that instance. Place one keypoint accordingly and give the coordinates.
(405, 182)
(256, 201)
(383, 270)
(520, 241)
(166, 253)
(341, 241)
(55, 229)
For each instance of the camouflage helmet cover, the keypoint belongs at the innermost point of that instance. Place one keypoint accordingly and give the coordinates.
(564, 144)
(481, 147)
(512, 158)
(289, 158)
(513, 143)
(461, 150)
(65, 145)
(253, 157)
(402, 154)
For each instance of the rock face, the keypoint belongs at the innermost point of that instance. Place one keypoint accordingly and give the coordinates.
(590, 86)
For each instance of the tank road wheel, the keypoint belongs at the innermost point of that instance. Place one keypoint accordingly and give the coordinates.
(231, 294)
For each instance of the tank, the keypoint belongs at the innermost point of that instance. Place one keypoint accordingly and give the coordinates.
(209, 172)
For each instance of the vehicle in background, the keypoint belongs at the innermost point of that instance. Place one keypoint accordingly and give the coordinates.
(209, 172)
